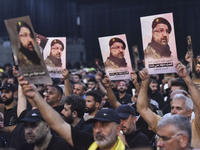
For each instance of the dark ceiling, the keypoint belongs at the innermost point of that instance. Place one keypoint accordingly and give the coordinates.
(104, 18)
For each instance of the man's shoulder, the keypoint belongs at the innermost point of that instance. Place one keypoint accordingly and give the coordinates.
(110, 64)
(49, 62)
(151, 52)
(58, 143)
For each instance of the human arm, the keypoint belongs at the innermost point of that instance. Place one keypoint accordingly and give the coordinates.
(189, 59)
(68, 86)
(111, 96)
(53, 119)
(142, 102)
(101, 87)
(194, 91)
(134, 81)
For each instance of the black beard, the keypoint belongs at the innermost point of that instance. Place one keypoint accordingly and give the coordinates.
(8, 101)
(124, 91)
(197, 74)
(69, 119)
(90, 110)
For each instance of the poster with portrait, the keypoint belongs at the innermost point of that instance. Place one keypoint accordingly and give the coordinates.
(159, 43)
(41, 41)
(116, 58)
(26, 51)
(55, 56)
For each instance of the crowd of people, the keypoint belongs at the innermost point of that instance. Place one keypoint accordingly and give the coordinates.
(86, 110)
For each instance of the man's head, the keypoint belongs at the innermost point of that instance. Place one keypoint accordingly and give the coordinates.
(79, 88)
(181, 105)
(174, 133)
(153, 84)
(74, 107)
(127, 116)
(56, 48)
(26, 35)
(54, 95)
(93, 101)
(7, 93)
(178, 85)
(122, 86)
(117, 47)
(92, 84)
(36, 129)
(197, 70)
(106, 127)
(161, 29)
(76, 78)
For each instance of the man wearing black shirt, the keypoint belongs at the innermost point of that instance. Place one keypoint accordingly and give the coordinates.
(134, 137)
(38, 135)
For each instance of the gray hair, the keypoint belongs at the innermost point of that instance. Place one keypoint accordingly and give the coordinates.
(180, 122)
(188, 101)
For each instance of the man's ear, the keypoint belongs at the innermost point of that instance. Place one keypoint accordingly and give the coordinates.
(97, 104)
(74, 114)
(184, 140)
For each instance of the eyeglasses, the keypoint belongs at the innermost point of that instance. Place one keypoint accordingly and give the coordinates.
(164, 138)
(118, 47)
(162, 31)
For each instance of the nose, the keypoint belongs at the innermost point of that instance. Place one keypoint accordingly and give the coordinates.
(173, 111)
(160, 143)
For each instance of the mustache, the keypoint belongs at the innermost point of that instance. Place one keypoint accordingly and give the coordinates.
(30, 44)
(99, 136)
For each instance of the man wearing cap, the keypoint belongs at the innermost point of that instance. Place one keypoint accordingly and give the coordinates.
(54, 59)
(105, 128)
(116, 59)
(134, 137)
(38, 134)
(158, 47)
(10, 108)
(27, 55)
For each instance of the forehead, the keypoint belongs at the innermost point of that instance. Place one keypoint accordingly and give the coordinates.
(89, 97)
(153, 84)
(122, 83)
(78, 86)
(53, 89)
(167, 130)
(117, 44)
(161, 26)
(24, 29)
(173, 88)
(57, 45)
(178, 102)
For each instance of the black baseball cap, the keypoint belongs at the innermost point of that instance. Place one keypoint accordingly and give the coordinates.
(125, 110)
(8, 87)
(32, 116)
(105, 115)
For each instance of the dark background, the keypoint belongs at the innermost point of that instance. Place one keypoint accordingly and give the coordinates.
(104, 18)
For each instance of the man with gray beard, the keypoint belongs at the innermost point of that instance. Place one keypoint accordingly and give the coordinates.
(105, 124)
